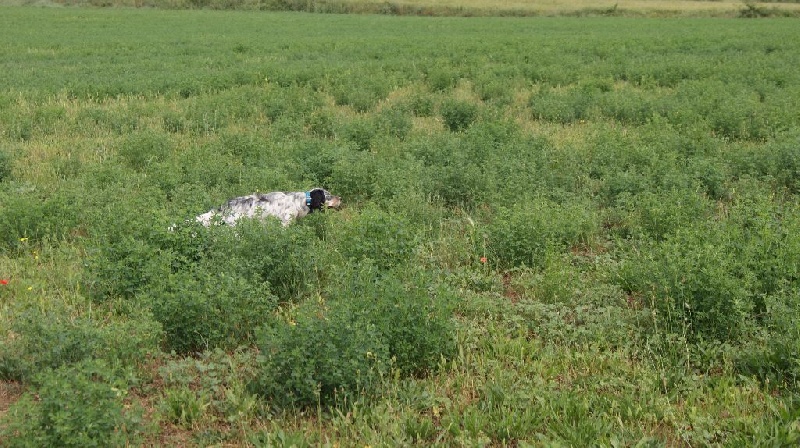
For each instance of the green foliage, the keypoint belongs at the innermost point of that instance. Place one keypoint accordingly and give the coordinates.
(697, 287)
(563, 108)
(323, 356)
(360, 132)
(202, 308)
(34, 215)
(362, 93)
(81, 405)
(332, 352)
(526, 234)
(142, 149)
(633, 193)
(441, 79)
(289, 260)
(394, 122)
(57, 337)
(659, 214)
(184, 406)
(409, 309)
(422, 104)
(207, 288)
(209, 388)
(773, 354)
(385, 239)
(710, 280)
(458, 115)
(776, 162)
(6, 163)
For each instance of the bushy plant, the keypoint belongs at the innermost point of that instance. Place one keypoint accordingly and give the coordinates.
(56, 337)
(421, 104)
(362, 93)
(359, 132)
(206, 307)
(626, 106)
(566, 107)
(5, 165)
(81, 405)
(141, 149)
(411, 311)
(394, 122)
(322, 356)
(290, 260)
(123, 268)
(372, 322)
(315, 160)
(776, 162)
(353, 175)
(291, 102)
(773, 353)
(204, 286)
(697, 285)
(442, 78)
(659, 214)
(524, 235)
(29, 214)
(385, 239)
(458, 115)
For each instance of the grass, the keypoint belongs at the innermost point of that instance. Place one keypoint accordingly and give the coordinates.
(524, 8)
(587, 227)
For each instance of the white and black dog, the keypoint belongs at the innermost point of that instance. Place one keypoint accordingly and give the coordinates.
(282, 205)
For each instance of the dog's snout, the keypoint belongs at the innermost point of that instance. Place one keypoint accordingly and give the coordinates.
(334, 202)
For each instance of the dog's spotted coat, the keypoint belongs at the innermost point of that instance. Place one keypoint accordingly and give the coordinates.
(284, 206)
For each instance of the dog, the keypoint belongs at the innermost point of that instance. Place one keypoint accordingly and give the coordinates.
(286, 206)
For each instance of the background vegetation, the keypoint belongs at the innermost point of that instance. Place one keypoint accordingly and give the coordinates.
(466, 8)
(557, 232)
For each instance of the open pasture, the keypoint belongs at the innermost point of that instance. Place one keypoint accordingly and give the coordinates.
(556, 232)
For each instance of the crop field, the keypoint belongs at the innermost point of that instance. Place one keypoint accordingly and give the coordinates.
(555, 231)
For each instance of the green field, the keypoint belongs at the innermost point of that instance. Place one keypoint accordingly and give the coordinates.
(556, 231)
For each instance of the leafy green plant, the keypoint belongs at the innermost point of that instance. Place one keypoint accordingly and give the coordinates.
(5, 165)
(202, 308)
(331, 353)
(394, 122)
(441, 79)
(360, 132)
(289, 260)
(385, 239)
(567, 107)
(410, 310)
(322, 356)
(74, 406)
(210, 387)
(422, 105)
(184, 406)
(142, 149)
(50, 339)
(525, 235)
(458, 115)
(698, 287)
(37, 216)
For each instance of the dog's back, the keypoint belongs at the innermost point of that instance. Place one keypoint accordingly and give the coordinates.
(284, 206)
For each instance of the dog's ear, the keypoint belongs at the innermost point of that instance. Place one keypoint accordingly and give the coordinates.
(317, 199)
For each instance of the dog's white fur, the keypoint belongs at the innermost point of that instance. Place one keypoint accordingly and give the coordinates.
(282, 205)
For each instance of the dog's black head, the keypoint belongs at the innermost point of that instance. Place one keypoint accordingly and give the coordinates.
(321, 198)
(317, 199)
